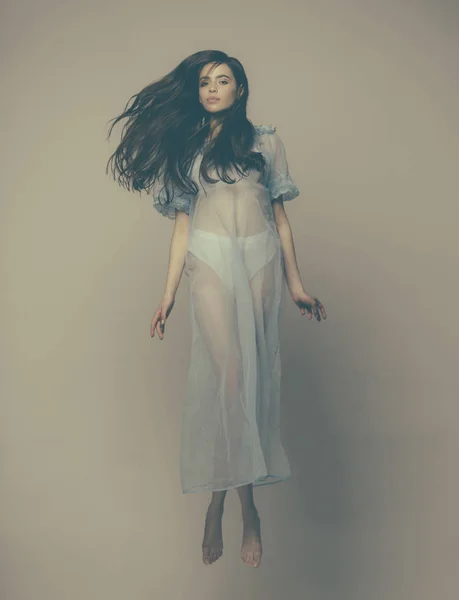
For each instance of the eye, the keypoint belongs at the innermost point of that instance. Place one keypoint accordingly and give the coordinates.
(203, 83)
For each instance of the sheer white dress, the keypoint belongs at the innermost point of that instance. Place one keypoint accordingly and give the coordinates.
(230, 429)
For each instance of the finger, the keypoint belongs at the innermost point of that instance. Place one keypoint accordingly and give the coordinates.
(321, 308)
(156, 316)
(316, 308)
(156, 319)
(153, 327)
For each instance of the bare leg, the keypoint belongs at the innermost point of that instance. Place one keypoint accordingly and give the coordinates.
(251, 539)
(212, 544)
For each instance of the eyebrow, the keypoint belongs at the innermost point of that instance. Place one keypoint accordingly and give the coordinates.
(218, 77)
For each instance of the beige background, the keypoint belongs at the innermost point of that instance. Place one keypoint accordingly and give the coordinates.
(365, 97)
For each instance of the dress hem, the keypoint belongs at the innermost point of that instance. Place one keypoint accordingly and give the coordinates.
(265, 480)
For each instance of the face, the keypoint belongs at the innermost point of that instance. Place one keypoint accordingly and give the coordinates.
(217, 82)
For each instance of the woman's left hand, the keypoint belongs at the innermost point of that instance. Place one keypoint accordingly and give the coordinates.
(310, 304)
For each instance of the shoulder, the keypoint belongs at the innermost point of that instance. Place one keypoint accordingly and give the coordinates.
(267, 140)
(265, 137)
(261, 129)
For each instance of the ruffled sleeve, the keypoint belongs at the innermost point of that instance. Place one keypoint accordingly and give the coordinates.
(180, 201)
(279, 180)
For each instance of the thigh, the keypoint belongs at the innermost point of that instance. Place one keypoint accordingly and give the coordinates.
(258, 252)
(212, 309)
(212, 250)
(263, 282)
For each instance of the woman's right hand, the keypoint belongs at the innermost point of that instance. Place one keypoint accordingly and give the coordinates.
(159, 320)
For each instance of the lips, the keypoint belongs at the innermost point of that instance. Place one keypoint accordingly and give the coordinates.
(213, 99)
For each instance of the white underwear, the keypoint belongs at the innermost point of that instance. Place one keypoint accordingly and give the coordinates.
(224, 254)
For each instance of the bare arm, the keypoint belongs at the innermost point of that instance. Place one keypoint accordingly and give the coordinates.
(292, 274)
(177, 253)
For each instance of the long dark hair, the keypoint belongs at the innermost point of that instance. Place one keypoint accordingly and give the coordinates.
(167, 127)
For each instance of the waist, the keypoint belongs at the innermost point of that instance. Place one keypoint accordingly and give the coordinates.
(227, 239)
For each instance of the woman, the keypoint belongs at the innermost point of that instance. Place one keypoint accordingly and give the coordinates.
(188, 141)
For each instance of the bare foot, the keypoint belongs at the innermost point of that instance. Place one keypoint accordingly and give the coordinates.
(212, 544)
(251, 540)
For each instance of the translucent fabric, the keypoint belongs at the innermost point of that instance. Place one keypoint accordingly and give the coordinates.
(230, 429)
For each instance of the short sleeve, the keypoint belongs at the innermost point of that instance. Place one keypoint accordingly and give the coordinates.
(279, 181)
(180, 201)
